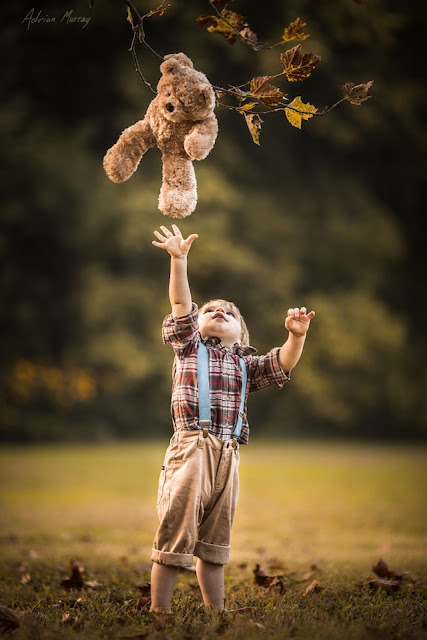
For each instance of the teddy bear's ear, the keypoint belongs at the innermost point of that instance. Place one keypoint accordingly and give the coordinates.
(173, 61)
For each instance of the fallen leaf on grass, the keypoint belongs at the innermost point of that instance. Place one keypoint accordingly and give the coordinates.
(313, 586)
(76, 579)
(387, 585)
(9, 619)
(382, 571)
(144, 588)
(263, 580)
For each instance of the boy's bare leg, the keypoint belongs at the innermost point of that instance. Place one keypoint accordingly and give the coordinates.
(211, 582)
(163, 579)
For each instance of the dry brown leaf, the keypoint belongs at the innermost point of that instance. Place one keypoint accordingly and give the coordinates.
(251, 39)
(145, 589)
(295, 31)
(9, 619)
(296, 65)
(76, 579)
(263, 580)
(230, 26)
(266, 92)
(356, 94)
(388, 585)
(313, 586)
(382, 571)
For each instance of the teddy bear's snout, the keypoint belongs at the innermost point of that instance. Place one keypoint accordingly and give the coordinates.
(170, 107)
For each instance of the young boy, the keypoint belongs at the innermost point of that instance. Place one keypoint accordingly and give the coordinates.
(199, 482)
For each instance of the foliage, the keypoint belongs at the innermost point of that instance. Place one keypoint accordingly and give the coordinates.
(296, 66)
(327, 219)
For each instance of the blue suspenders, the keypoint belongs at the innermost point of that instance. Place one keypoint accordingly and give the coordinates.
(204, 393)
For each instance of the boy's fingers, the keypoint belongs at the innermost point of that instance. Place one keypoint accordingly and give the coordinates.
(158, 244)
(165, 231)
(191, 238)
(311, 315)
(176, 230)
(159, 236)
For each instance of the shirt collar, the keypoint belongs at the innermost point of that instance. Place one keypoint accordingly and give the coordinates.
(238, 349)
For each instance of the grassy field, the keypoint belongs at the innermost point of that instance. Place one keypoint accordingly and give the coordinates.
(307, 511)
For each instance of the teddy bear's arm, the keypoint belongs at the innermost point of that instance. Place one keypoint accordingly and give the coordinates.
(201, 138)
(121, 161)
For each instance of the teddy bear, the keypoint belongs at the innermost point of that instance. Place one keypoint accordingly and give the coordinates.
(180, 120)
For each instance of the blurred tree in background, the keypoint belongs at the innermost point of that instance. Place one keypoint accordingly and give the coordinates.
(325, 217)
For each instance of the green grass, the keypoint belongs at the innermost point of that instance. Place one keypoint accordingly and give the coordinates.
(337, 506)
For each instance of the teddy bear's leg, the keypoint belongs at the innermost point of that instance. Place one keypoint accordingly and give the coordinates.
(178, 195)
(121, 161)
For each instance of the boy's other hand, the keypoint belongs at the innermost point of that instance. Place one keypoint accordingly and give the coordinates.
(174, 243)
(298, 321)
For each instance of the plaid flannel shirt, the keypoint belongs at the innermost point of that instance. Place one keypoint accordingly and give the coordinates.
(225, 377)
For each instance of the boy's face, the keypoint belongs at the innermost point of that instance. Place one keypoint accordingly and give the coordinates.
(218, 319)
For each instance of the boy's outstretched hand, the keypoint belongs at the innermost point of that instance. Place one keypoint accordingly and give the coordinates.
(174, 243)
(298, 321)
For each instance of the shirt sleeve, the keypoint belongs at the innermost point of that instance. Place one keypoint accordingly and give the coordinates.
(181, 332)
(265, 371)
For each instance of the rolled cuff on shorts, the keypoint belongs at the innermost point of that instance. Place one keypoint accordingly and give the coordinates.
(171, 559)
(214, 553)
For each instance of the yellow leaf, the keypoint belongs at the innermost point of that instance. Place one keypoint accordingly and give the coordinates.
(159, 11)
(247, 107)
(295, 117)
(295, 31)
(254, 122)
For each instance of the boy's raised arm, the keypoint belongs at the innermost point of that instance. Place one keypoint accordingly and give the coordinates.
(178, 248)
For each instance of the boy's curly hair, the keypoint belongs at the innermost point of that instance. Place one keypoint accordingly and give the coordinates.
(244, 336)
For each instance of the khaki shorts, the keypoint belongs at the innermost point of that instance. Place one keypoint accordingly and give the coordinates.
(198, 491)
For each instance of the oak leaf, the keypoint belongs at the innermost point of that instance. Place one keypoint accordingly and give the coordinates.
(295, 31)
(356, 94)
(296, 117)
(298, 66)
(267, 93)
(254, 121)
